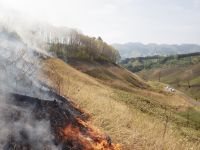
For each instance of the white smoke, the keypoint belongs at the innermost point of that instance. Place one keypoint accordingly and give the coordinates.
(23, 128)
(21, 40)
(32, 32)
(18, 64)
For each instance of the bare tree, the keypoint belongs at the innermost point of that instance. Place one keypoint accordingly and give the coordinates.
(166, 122)
(167, 115)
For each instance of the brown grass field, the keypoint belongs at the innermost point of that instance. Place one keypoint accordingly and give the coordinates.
(136, 114)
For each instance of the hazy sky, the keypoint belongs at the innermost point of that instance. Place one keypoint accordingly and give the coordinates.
(160, 21)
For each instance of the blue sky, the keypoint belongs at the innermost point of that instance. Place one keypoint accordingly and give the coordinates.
(120, 21)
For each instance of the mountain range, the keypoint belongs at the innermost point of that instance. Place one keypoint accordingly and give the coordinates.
(129, 50)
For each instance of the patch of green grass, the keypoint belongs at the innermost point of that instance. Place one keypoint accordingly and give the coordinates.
(191, 124)
(186, 122)
(193, 117)
(195, 81)
(144, 104)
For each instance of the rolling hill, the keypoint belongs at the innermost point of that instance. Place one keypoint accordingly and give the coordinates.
(135, 113)
(186, 79)
(180, 71)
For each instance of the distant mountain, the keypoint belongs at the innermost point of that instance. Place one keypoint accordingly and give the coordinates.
(129, 50)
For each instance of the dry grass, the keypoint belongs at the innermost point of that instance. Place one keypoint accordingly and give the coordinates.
(124, 123)
(177, 77)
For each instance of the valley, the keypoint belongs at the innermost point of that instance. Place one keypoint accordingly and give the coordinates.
(180, 71)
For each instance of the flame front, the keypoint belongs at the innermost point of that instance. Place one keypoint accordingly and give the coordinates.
(87, 137)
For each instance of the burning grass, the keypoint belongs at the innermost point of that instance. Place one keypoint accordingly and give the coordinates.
(68, 124)
(92, 138)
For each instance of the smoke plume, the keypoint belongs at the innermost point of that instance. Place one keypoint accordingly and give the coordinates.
(22, 43)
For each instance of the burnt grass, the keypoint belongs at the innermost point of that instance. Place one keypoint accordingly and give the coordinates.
(59, 112)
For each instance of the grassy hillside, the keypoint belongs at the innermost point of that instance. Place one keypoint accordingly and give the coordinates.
(186, 79)
(109, 73)
(136, 114)
(180, 71)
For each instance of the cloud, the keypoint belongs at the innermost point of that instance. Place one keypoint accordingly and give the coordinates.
(196, 3)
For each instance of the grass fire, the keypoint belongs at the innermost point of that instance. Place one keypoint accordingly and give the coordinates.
(69, 128)
(64, 88)
(34, 116)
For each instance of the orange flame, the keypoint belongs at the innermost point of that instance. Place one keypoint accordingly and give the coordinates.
(89, 137)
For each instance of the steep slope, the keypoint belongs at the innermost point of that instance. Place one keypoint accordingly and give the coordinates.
(109, 73)
(140, 116)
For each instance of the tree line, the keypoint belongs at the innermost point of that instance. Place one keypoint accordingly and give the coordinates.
(162, 58)
(77, 45)
(181, 60)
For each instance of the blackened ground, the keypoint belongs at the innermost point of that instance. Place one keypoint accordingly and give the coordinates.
(59, 112)
(68, 125)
